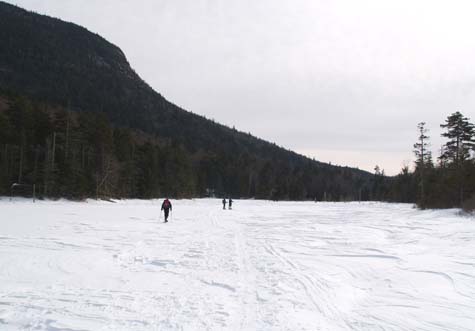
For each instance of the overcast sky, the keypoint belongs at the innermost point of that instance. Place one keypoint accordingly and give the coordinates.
(345, 82)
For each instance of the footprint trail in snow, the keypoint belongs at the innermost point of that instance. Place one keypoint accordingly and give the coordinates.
(261, 266)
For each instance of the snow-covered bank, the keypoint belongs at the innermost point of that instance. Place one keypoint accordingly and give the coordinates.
(262, 266)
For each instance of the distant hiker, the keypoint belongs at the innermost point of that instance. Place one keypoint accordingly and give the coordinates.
(224, 203)
(230, 203)
(166, 207)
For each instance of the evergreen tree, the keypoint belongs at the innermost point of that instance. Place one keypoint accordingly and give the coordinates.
(456, 152)
(378, 189)
(461, 135)
(423, 160)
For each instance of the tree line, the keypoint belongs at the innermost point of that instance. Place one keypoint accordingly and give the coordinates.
(79, 154)
(445, 182)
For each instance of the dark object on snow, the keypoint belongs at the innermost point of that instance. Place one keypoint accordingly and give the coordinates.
(224, 203)
(166, 207)
(230, 203)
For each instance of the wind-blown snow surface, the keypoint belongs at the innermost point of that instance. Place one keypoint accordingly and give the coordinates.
(261, 266)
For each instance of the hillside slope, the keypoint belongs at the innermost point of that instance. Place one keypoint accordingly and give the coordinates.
(64, 66)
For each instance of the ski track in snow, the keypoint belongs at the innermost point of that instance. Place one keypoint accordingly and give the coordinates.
(262, 266)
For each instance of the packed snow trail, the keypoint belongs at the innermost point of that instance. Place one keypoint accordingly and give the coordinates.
(261, 266)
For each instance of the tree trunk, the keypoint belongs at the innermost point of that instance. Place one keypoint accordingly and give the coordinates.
(67, 135)
(54, 150)
(35, 169)
(20, 171)
(6, 164)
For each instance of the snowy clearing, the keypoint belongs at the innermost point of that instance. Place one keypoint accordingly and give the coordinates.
(262, 266)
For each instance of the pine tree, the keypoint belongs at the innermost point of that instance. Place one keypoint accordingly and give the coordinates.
(378, 184)
(461, 135)
(423, 159)
(421, 148)
(456, 152)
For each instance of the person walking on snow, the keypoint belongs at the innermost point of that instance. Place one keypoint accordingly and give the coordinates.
(166, 207)
(230, 203)
(224, 203)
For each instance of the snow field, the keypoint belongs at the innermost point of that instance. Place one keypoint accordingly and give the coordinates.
(261, 266)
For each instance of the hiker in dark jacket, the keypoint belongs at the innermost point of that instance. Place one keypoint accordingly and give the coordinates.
(166, 207)
(230, 203)
(224, 203)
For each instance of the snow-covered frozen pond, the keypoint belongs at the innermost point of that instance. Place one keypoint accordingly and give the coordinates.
(262, 266)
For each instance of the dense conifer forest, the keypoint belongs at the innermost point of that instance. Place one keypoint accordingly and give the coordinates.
(81, 154)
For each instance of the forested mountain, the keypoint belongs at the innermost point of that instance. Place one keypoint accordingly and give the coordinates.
(77, 121)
